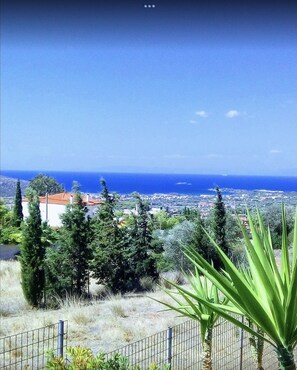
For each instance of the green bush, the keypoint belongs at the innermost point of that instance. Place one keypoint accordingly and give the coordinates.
(83, 359)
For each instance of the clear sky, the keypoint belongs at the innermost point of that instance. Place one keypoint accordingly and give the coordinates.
(149, 86)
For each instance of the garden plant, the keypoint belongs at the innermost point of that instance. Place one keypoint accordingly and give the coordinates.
(263, 292)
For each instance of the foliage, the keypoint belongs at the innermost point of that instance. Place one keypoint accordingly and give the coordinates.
(272, 218)
(219, 222)
(18, 208)
(163, 221)
(190, 214)
(9, 234)
(257, 345)
(109, 264)
(200, 242)
(187, 303)
(68, 265)
(43, 184)
(233, 231)
(32, 255)
(141, 255)
(265, 294)
(83, 359)
(174, 242)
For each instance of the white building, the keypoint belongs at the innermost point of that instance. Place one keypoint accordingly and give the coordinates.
(53, 206)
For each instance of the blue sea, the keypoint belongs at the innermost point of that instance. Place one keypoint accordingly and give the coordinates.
(126, 183)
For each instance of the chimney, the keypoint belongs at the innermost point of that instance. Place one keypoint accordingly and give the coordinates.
(87, 198)
(71, 199)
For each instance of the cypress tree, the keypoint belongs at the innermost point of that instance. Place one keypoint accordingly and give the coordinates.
(141, 250)
(18, 208)
(109, 263)
(219, 222)
(68, 264)
(32, 255)
(200, 242)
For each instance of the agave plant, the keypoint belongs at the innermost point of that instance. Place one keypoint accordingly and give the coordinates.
(266, 295)
(188, 304)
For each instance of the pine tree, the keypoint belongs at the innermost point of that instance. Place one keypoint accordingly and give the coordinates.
(68, 265)
(219, 222)
(32, 255)
(43, 184)
(141, 250)
(18, 209)
(109, 264)
(200, 242)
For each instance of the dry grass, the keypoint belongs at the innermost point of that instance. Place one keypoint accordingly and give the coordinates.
(102, 324)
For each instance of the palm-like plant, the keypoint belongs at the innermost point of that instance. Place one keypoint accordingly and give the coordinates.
(265, 294)
(188, 304)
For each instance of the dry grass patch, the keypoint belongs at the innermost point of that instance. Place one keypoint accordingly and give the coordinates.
(101, 324)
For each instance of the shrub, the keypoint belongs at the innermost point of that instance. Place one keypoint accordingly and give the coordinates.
(83, 359)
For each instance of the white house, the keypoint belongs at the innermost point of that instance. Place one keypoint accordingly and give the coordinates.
(53, 206)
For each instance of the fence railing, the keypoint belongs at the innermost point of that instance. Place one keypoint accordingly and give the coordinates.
(181, 347)
(29, 349)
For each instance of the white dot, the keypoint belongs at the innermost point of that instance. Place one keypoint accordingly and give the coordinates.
(153, 5)
(145, 6)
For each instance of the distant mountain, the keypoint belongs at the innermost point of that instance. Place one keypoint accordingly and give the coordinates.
(8, 186)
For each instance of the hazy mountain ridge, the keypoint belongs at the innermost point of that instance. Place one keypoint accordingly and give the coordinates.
(8, 186)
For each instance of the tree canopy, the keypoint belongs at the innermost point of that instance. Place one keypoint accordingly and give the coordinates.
(43, 184)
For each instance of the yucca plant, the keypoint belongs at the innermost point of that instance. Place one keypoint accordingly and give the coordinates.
(266, 295)
(188, 304)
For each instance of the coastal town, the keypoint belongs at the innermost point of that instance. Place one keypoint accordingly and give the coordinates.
(235, 200)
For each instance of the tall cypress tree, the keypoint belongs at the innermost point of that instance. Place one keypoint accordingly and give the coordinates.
(141, 249)
(32, 255)
(68, 265)
(219, 222)
(18, 208)
(200, 242)
(109, 263)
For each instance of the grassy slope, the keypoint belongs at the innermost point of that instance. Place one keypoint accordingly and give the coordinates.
(101, 324)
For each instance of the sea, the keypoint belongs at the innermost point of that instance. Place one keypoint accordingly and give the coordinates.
(187, 184)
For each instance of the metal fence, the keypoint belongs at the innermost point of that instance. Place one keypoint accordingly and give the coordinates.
(29, 349)
(181, 347)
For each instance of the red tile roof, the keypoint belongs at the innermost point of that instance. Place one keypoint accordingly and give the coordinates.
(65, 198)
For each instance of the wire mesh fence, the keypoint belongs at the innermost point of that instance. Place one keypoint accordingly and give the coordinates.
(28, 350)
(181, 348)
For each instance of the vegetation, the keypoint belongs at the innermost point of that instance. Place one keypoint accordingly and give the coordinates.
(174, 242)
(67, 265)
(83, 359)
(43, 184)
(32, 255)
(127, 253)
(200, 242)
(18, 209)
(188, 304)
(262, 293)
(9, 234)
(109, 265)
(219, 226)
(272, 218)
(142, 261)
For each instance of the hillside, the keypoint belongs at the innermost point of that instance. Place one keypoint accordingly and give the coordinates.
(8, 186)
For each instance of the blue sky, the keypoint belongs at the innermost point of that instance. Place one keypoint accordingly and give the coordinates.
(181, 87)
